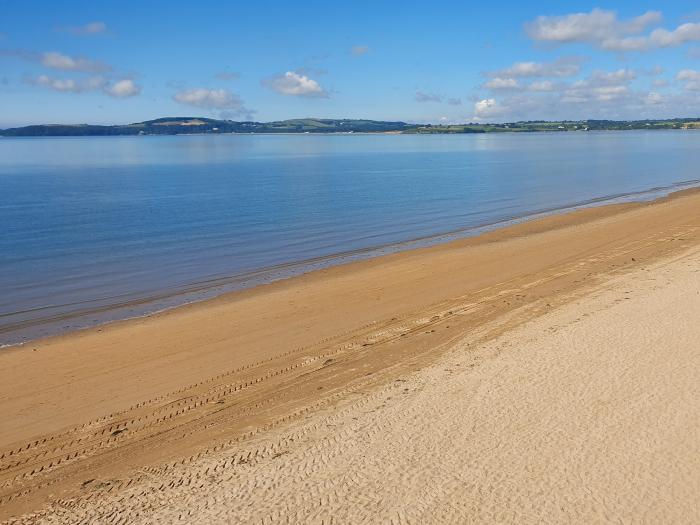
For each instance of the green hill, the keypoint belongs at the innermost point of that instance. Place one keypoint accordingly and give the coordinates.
(189, 125)
(201, 125)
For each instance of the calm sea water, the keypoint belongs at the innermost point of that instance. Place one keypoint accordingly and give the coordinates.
(97, 228)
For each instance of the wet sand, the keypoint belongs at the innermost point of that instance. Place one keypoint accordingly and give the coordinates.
(507, 377)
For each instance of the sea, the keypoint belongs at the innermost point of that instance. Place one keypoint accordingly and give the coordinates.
(96, 229)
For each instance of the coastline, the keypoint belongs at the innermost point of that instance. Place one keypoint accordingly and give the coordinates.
(568, 418)
(217, 373)
(208, 126)
(142, 306)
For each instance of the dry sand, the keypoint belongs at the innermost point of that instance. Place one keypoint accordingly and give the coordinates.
(545, 372)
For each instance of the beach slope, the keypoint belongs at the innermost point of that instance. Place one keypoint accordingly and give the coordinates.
(589, 414)
(543, 372)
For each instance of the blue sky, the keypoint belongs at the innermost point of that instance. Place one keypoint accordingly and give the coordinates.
(127, 61)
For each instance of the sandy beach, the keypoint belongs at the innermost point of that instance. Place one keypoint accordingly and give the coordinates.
(544, 372)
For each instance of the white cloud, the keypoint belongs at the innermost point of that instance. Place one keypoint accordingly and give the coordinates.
(295, 84)
(599, 27)
(601, 95)
(484, 105)
(605, 93)
(600, 86)
(62, 84)
(123, 89)
(689, 32)
(543, 85)
(611, 102)
(688, 74)
(488, 108)
(501, 83)
(615, 95)
(55, 60)
(562, 67)
(691, 79)
(653, 99)
(58, 61)
(613, 77)
(599, 89)
(209, 98)
(71, 85)
(91, 28)
(636, 43)
(604, 30)
(359, 50)
(229, 103)
(584, 94)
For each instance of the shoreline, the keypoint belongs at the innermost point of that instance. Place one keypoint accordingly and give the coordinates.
(569, 417)
(342, 133)
(25, 332)
(123, 405)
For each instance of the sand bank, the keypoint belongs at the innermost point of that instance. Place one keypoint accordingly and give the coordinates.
(452, 376)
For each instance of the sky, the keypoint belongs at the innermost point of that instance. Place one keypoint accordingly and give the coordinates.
(75, 61)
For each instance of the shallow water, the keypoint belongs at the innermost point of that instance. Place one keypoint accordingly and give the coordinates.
(99, 228)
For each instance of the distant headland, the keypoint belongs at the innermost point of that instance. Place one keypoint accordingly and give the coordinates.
(200, 125)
